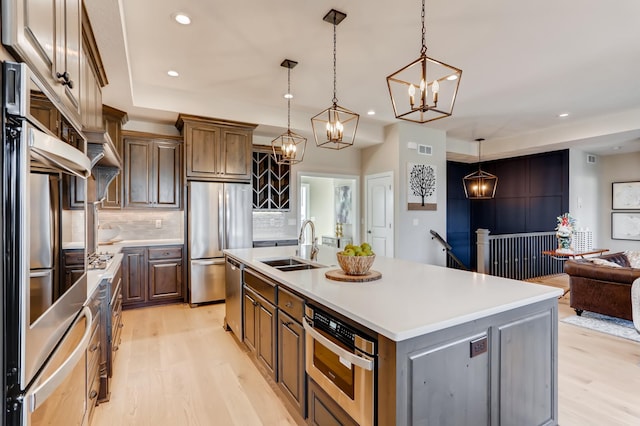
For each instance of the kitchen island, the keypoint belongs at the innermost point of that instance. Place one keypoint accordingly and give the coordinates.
(454, 347)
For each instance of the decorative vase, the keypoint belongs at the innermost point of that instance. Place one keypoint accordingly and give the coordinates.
(564, 243)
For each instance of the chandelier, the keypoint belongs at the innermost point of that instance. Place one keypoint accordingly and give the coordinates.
(426, 89)
(288, 148)
(480, 185)
(335, 127)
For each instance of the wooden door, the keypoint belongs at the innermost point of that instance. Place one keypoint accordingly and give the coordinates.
(249, 310)
(266, 345)
(134, 277)
(137, 173)
(202, 151)
(167, 179)
(379, 213)
(165, 280)
(68, 55)
(235, 154)
(291, 359)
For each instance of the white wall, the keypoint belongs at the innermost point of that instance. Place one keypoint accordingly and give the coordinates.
(411, 228)
(615, 168)
(584, 199)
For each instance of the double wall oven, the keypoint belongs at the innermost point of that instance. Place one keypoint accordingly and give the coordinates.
(342, 361)
(45, 326)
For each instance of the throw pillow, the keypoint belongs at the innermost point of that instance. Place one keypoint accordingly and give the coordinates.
(633, 257)
(604, 262)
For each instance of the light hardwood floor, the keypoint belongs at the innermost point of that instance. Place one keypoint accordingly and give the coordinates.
(177, 366)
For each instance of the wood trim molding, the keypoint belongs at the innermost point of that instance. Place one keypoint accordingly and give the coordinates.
(147, 135)
(122, 116)
(92, 49)
(184, 118)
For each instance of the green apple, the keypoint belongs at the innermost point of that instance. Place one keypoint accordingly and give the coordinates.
(349, 252)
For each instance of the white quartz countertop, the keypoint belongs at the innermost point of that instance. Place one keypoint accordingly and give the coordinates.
(94, 276)
(411, 299)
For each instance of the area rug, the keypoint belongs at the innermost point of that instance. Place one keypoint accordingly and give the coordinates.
(605, 324)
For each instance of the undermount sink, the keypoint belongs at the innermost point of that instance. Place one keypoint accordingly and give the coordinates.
(287, 264)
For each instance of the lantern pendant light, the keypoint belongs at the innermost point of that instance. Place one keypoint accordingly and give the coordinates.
(288, 148)
(480, 185)
(426, 89)
(335, 127)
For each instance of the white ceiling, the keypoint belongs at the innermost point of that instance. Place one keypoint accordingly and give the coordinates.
(523, 63)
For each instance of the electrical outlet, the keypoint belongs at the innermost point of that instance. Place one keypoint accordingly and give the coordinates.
(158, 223)
(478, 346)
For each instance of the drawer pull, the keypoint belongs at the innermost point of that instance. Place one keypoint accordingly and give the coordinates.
(288, 323)
(289, 305)
(93, 394)
(93, 348)
(116, 347)
(120, 325)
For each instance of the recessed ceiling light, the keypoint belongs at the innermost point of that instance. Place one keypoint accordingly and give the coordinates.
(371, 112)
(181, 18)
(563, 115)
(172, 73)
(452, 77)
(288, 96)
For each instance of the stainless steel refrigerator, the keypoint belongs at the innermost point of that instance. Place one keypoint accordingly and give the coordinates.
(218, 218)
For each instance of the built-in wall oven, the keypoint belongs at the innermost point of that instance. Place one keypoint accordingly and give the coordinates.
(342, 361)
(40, 312)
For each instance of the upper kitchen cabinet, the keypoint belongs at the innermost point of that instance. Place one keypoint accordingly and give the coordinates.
(47, 36)
(152, 171)
(92, 80)
(216, 150)
(113, 120)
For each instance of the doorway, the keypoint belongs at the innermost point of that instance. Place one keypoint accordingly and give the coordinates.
(379, 215)
(330, 199)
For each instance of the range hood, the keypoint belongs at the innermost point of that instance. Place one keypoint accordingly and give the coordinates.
(105, 160)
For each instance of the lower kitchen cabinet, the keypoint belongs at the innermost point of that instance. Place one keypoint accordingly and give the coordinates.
(112, 320)
(323, 410)
(291, 360)
(260, 329)
(73, 265)
(95, 349)
(152, 275)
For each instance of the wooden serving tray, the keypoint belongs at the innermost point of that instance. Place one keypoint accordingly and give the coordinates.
(340, 275)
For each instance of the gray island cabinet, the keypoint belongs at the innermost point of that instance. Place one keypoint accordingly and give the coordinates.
(453, 347)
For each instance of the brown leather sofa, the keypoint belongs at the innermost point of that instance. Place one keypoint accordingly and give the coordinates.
(599, 288)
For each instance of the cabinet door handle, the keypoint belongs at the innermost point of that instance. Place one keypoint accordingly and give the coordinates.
(289, 305)
(93, 394)
(288, 323)
(66, 81)
(93, 348)
(120, 325)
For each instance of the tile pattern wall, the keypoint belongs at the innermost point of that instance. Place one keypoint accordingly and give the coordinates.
(272, 226)
(141, 225)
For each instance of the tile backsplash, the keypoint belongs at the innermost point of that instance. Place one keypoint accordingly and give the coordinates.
(273, 225)
(141, 224)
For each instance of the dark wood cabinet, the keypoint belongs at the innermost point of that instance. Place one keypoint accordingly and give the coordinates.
(113, 120)
(165, 279)
(250, 314)
(95, 350)
(266, 345)
(152, 275)
(134, 275)
(152, 172)
(215, 149)
(291, 359)
(73, 268)
(112, 320)
(323, 410)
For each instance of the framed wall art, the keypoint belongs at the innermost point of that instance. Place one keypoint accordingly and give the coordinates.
(421, 185)
(625, 226)
(625, 196)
